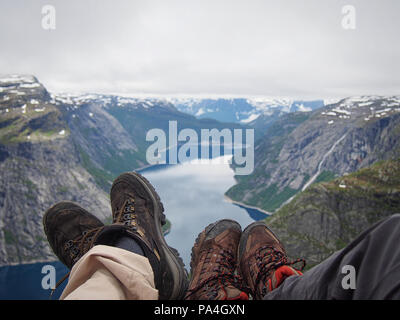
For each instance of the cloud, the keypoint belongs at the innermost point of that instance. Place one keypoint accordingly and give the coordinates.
(278, 48)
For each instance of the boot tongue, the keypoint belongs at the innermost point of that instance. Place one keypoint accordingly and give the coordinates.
(281, 274)
(276, 278)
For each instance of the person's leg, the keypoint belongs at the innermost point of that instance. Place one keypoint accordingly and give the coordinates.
(120, 271)
(137, 229)
(111, 273)
(375, 259)
(137, 207)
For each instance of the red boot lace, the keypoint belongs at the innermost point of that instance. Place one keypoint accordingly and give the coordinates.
(268, 260)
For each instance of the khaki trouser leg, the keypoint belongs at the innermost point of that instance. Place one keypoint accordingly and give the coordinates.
(109, 273)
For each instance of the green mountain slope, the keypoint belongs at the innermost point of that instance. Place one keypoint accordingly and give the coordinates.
(250, 189)
(304, 148)
(328, 215)
(63, 147)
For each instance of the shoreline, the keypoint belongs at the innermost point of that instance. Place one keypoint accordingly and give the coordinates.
(36, 261)
(226, 198)
(144, 167)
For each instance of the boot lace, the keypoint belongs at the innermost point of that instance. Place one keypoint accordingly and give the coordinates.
(268, 259)
(127, 214)
(76, 248)
(81, 244)
(223, 274)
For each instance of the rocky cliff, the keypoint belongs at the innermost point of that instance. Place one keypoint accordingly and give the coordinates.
(328, 215)
(326, 143)
(39, 165)
(67, 147)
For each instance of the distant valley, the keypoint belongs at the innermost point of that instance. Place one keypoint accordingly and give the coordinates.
(63, 146)
(68, 147)
(326, 175)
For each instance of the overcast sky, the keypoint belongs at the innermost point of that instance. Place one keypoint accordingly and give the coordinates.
(242, 48)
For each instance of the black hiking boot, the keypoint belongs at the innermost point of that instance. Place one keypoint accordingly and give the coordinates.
(71, 231)
(137, 209)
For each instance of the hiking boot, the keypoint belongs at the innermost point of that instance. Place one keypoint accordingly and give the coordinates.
(213, 264)
(263, 262)
(71, 231)
(137, 209)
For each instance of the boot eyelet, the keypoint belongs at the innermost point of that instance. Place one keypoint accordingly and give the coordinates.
(68, 244)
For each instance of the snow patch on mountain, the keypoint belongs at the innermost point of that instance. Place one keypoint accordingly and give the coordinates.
(302, 108)
(251, 118)
(367, 107)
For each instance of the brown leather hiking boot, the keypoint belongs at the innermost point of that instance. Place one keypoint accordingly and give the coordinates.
(71, 231)
(137, 209)
(213, 264)
(263, 262)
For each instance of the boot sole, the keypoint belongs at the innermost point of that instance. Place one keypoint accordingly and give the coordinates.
(172, 257)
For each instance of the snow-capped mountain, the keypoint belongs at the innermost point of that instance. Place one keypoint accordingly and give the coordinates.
(365, 107)
(299, 149)
(77, 100)
(56, 147)
(242, 110)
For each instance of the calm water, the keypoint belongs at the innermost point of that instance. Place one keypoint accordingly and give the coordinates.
(25, 281)
(193, 197)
